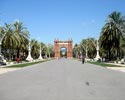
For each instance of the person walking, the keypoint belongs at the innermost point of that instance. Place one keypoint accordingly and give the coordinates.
(83, 59)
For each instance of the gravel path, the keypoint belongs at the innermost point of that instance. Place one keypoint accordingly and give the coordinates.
(63, 79)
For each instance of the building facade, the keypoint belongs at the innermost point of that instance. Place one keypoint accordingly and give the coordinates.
(63, 44)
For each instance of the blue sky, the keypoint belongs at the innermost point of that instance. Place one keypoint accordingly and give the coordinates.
(62, 19)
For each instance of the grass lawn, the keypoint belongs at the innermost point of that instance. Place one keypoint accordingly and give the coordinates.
(25, 64)
(104, 64)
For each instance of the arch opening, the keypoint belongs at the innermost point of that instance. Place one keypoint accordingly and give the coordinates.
(63, 52)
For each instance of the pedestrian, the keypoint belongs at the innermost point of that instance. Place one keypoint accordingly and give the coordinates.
(83, 59)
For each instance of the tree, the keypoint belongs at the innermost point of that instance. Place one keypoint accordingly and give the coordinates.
(88, 47)
(50, 50)
(21, 36)
(76, 51)
(35, 46)
(2, 34)
(111, 35)
(8, 42)
(43, 49)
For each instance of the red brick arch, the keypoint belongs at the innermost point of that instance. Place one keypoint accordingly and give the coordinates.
(66, 44)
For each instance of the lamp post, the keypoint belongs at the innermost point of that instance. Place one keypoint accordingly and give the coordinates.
(97, 51)
(29, 58)
(40, 56)
(41, 49)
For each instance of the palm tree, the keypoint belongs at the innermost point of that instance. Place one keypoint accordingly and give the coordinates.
(92, 47)
(1, 31)
(111, 34)
(50, 50)
(35, 46)
(9, 42)
(76, 50)
(21, 36)
(44, 49)
(2, 34)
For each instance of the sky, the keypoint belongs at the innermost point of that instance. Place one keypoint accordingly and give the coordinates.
(62, 19)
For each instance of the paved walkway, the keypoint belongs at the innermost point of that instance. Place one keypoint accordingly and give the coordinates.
(121, 69)
(5, 70)
(63, 79)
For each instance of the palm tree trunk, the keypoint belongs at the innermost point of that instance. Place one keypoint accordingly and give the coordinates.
(117, 53)
(109, 53)
(18, 52)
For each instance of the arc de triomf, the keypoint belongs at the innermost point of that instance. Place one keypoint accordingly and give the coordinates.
(63, 44)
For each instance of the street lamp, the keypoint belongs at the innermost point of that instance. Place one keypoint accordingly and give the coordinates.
(40, 51)
(29, 58)
(97, 49)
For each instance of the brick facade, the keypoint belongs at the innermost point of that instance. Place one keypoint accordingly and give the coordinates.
(66, 44)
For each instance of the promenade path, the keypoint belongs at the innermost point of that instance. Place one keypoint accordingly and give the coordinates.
(63, 79)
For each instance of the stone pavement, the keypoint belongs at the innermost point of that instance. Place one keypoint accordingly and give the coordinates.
(121, 69)
(5, 70)
(62, 79)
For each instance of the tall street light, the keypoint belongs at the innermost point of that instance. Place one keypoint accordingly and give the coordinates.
(40, 51)
(29, 58)
(97, 49)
